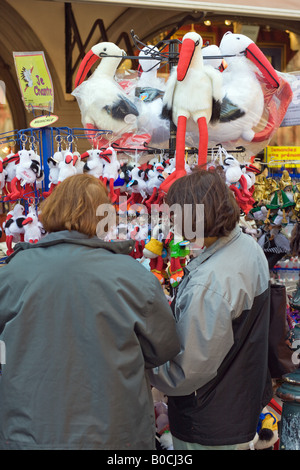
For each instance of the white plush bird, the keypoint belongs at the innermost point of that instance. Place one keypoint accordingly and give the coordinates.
(12, 227)
(249, 83)
(66, 167)
(94, 163)
(192, 92)
(111, 171)
(102, 101)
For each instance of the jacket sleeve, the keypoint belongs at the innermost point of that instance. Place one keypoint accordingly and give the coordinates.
(157, 329)
(8, 298)
(204, 327)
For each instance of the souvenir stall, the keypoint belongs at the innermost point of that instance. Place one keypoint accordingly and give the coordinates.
(218, 107)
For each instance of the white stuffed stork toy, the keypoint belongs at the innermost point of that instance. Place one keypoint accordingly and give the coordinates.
(193, 94)
(66, 167)
(102, 101)
(249, 84)
(13, 227)
(111, 171)
(94, 162)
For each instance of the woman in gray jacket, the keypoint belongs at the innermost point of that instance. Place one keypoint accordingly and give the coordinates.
(219, 382)
(81, 321)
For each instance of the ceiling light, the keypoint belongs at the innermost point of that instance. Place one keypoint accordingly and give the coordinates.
(207, 22)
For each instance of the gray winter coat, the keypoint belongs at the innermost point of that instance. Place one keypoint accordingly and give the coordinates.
(80, 320)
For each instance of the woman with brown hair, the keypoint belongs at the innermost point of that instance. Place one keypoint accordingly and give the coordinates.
(81, 321)
(218, 383)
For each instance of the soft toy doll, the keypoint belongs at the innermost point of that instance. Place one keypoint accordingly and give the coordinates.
(267, 430)
(9, 163)
(66, 167)
(154, 250)
(149, 92)
(177, 253)
(192, 92)
(103, 103)
(34, 229)
(251, 87)
(94, 163)
(28, 169)
(137, 185)
(110, 171)
(13, 227)
(155, 179)
(53, 164)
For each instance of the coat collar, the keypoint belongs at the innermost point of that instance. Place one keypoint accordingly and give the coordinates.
(77, 238)
(220, 243)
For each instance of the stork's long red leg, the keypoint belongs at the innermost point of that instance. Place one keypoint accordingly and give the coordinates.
(203, 141)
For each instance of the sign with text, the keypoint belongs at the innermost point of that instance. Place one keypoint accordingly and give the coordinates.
(34, 80)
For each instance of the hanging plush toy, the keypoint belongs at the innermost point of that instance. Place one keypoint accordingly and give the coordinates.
(103, 103)
(111, 171)
(13, 227)
(66, 167)
(28, 169)
(149, 92)
(192, 100)
(33, 228)
(53, 164)
(251, 88)
(155, 179)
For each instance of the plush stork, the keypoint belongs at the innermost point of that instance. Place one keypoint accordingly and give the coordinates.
(111, 171)
(249, 84)
(150, 91)
(28, 169)
(66, 167)
(192, 91)
(13, 227)
(103, 103)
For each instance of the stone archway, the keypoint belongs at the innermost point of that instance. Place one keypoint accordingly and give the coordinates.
(17, 35)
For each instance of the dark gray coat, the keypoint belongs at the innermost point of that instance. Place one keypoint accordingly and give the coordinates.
(80, 320)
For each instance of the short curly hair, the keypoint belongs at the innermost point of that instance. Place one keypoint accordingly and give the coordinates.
(207, 187)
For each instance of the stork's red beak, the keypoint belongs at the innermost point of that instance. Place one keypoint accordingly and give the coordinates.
(28, 220)
(85, 66)
(11, 158)
(84, 155)
(256, 56)
(185, 57)
(106, 155)
(75, 158)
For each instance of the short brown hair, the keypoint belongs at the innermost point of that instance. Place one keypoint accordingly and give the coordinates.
(73, 204)
(207, 187)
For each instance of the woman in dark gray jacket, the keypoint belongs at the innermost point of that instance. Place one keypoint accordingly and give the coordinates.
(81, 321)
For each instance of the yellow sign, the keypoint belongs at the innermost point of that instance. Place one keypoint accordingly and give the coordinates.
(34, 80)
(276, 157)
